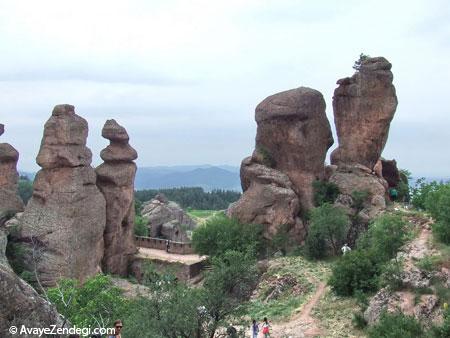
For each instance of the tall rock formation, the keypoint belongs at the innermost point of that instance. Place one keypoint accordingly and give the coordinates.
(115, 179)
(292, 140)
(294, 135)
(10, 202)
(62, 226)
(364, 106)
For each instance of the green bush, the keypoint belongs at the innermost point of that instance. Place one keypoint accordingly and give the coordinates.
(25, 188)
(403, 186)
(140, 226)
(356, 271)
(324, 192)
(96, 303)
(443, 330)
(359, 197)
(386, 234)
(327, 230)
(391, 275)
(221, 234)
(420, 191)
(396, 325)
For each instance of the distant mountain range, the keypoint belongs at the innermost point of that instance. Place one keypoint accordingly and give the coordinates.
(206, 176)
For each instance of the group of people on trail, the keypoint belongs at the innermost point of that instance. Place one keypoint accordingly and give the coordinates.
(265, 328)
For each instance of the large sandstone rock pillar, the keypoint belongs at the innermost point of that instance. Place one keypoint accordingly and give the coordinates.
(292, 140)
(115, 179)
(293, 136)
(62, 226)
(10, 202)
(364, 106)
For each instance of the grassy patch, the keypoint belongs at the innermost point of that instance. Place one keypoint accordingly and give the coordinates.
(201, 216)
(335, 315)
(308, 274)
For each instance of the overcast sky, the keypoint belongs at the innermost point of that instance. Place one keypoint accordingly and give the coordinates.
(184, 77)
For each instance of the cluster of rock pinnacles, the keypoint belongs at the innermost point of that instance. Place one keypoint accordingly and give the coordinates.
(293, 137)
(79, 220)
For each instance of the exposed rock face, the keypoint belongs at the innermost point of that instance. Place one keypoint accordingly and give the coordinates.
(21, 304)
(269, 199)
(390, 172)
(10, 202)
(364, 106)
(62, 226)
(115, 179)
(357, 179)
(167, 219)
(293, 136)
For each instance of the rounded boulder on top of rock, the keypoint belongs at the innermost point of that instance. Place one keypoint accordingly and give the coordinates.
(293, 136)
(115, 179)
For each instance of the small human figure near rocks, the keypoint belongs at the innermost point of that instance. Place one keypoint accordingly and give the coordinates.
(266, 328)
(167, 245)
(345, 249)
(255, 329)
(117, 329)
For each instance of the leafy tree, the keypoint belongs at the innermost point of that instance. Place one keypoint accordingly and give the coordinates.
(328, 228)
(324, 192)
(420, 192)
(396, 325)
(403, 186)
(437, 202)
(25, 188)
(359, 197)
(358, 63)
(96, 303)
(385, 236)
(140, 226)
(221, 234)
(355, 271)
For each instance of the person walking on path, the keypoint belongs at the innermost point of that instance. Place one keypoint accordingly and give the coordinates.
(345, 249)
(255, 329)
(266, 328)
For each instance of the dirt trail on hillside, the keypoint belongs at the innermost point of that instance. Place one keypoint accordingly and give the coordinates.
(302, 324)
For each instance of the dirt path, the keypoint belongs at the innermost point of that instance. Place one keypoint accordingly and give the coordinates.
(302, 324)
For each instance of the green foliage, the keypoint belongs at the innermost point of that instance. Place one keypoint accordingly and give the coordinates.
(16, 254)
(360, 269)
(385, 236)
(266, 156)
(282, 241)
(420, 191)
(403, 186)
(324, 192)
(195, 198)
(359, 197)
(25, 188)
(221, 234)
(358, 63)
(96, 303)
(175, 310)
(140, 226)
(359, 321)
(391, 275)
(327, 230)
(437, 203)
(443, 330)
(355, 271)
(396, 325)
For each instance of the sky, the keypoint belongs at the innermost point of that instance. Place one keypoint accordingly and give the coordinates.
(184, 77)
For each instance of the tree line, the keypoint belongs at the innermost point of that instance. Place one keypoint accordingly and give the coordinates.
(192, 197)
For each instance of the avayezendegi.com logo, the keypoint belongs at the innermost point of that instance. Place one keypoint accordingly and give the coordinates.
(53, 330)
